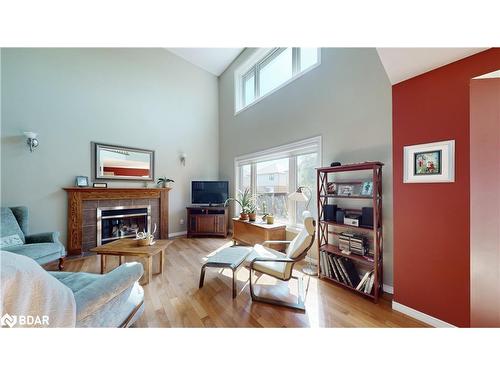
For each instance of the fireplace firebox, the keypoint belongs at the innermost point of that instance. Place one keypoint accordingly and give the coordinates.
(118, 222)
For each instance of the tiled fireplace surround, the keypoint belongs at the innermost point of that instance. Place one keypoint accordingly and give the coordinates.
(89, 219)
(82, 212)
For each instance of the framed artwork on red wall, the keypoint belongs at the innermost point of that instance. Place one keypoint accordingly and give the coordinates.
(429, 162)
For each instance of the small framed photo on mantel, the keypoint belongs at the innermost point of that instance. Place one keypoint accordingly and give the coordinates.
(429, 162)
(100, 185)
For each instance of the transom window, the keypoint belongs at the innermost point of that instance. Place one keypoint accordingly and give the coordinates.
(273, 174)
(270, 69)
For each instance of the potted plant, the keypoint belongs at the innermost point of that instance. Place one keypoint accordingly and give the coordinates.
(244, 200)
(252, 209)
(164, 182)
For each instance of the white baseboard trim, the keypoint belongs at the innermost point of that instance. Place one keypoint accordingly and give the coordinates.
(177, 234)
(388, 288)
(435, 322)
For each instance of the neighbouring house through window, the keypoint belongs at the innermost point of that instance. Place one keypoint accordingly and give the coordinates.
(271, 175)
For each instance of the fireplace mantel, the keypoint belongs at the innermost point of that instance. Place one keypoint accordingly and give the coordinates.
(76, 197)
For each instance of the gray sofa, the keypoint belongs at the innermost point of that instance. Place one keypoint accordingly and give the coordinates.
(14, 233)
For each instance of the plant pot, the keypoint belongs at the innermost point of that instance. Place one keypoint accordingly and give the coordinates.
(252, 216)
(243, 216)
(270, 219)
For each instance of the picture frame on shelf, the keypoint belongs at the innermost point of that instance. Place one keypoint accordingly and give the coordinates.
(367, 189)
(81, 181)
(345, 190)
(430, 162)
(100, 184)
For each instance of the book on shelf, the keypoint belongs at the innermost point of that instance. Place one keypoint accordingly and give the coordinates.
(341, 271)
(351, 272)
(334, 268)
(369, 284)
(363, 281)
(324, 265)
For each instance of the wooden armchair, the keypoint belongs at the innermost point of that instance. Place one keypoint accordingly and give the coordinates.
(280, 265)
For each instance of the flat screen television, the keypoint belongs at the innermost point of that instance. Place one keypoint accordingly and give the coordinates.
(209, 192)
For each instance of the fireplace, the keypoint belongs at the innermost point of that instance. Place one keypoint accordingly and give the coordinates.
(118, 222)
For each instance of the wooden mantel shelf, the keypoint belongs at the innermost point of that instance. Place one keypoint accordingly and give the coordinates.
(124, 189)
(76, 196)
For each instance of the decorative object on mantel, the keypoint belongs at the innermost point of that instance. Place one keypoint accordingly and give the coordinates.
(164, 182)
(145, 238)
(123, 163)
(100, 185)
(429, 162)
(31, 140)
(81, 181)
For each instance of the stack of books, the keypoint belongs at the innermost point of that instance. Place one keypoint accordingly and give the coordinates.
(352, 242)
(366, 283)
(357, 245)
(339, 268)
(344, 241)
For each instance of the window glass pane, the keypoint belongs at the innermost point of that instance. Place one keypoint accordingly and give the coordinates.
(308, 57)
(276, 71)
(306, 176)
(273, 187)
(248, 89)
(245, 177)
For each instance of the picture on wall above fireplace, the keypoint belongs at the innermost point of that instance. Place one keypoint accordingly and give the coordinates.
(429, 162)
(123, 163)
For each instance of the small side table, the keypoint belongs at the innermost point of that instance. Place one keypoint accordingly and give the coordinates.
(256, 232)
(229, 257)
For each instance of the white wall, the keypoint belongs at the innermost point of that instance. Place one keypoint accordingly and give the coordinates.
(146, 98)
(346, 100)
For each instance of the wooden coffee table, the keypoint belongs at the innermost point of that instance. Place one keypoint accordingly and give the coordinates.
(128, 247)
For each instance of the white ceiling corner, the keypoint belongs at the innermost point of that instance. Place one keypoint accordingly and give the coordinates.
(404, 63)
(213, 60)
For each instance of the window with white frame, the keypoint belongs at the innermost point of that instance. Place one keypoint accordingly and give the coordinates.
(271, 175)
(269, 69)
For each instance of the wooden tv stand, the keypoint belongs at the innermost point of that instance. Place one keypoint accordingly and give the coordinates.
(207, 221)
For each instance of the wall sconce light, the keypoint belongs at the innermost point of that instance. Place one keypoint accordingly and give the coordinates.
(32, 140)
(182, 157)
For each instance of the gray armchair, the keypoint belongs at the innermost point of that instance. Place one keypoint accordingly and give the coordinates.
(70, 299)
(114, 299)
(42, 247)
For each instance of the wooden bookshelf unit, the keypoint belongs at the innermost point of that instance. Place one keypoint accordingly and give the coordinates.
(328, 230)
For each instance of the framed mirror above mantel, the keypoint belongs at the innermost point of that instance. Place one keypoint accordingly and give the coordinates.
(111, 162)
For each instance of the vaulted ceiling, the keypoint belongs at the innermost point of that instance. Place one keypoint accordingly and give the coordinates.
(400, 63)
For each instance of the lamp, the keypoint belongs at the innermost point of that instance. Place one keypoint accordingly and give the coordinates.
(299, 196)
(32, 140)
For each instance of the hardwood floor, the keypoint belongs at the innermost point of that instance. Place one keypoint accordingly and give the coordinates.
(174, 300)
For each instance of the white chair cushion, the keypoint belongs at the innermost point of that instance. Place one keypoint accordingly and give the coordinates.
(302, 240)
(280, 270)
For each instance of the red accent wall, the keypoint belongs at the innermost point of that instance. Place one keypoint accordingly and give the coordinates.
(431, 221)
